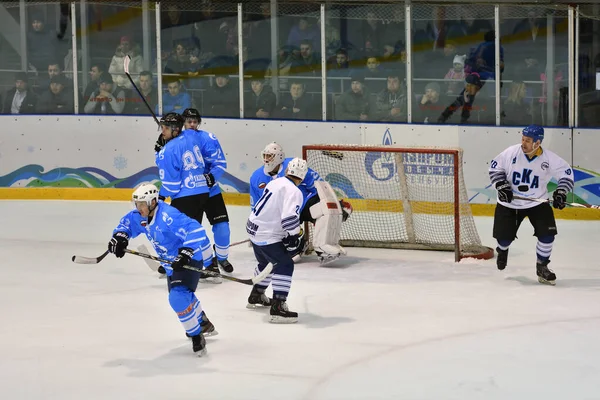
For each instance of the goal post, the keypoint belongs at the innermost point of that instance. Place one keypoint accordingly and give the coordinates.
(403, 198)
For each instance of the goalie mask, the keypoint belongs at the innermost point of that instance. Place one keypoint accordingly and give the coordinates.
(272, 157)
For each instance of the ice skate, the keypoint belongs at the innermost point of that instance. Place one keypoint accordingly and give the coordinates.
(214, 268)
(257, 299)
(280, 313)
(545, 275)
(502, 258)
(199, 345)
(224, 264)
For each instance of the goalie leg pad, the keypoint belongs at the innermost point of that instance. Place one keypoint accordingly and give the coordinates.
(328, 225)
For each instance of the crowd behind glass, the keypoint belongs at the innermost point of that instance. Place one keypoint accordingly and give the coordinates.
(365, 54)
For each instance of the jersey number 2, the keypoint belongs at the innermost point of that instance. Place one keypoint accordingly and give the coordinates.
(262, 201)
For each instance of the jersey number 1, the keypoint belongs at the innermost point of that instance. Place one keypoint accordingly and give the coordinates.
(262, 201)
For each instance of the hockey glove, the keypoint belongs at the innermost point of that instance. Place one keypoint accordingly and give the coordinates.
(559, 199)
(346, 209)
(505, 193)
(183, 258)
(291, 243)
(210, 180)
(160, 143)
(118, 244)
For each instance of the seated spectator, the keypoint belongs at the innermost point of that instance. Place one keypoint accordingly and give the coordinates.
(136, 105)
(516, 110)
(340, 69)
(304, 32)
(355, 104)
(57, 99)
(429, 105)
(175, 100)
(179, 63)
(375, 75)
(464, 100)
(261, 101)
(107, 99)
(20, 99)
(456, 75)
(296, 105)
(391, 101)
(136, 64)
(54, 69)
(222, 99)
(96, 70)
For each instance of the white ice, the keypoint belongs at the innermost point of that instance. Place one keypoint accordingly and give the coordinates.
(380, 324)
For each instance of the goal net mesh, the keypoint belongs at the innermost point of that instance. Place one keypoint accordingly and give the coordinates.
(402, 198)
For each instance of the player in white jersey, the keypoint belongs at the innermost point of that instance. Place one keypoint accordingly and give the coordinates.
(525, 170)
(274, 229)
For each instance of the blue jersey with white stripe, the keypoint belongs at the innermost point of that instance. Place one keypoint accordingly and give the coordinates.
(168, 231)
(182, 163)
(259, 180)
(216, 164)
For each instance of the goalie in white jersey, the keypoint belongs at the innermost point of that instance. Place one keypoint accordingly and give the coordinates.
(274, 229)
(525, 170)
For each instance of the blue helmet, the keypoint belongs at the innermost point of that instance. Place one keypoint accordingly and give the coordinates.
(535, 132)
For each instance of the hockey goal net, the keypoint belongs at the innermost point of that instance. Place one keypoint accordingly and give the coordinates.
(403, 198)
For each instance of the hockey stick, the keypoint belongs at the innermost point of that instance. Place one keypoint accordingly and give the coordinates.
(578, 205)
(89, 260)
(126, 62)
(258, 278)
(154, 265)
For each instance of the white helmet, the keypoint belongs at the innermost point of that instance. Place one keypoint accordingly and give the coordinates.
(146, 192)
(272, 157)
(297, 168)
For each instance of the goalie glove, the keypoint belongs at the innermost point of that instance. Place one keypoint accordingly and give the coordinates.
(559, 198)
(183, 258)
(346, 209)
(505, 193)
(118, 244)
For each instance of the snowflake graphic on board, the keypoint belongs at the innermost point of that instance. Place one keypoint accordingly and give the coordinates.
(120, 162)
(30, 149)
(243, 166)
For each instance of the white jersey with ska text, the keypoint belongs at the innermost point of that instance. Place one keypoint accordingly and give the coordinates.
(529, 177)
(276, 214)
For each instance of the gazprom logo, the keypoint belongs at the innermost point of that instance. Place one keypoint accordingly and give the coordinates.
(380, 165)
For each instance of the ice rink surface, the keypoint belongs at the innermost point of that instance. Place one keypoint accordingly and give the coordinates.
(379, 324)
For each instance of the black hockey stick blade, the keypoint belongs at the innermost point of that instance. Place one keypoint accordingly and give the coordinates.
(258, 278)
(89, 260)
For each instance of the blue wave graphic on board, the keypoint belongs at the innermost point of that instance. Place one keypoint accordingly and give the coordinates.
(340, 183)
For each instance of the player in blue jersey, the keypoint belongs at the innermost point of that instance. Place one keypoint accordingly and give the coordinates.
(183, 163)
(320, 206)
(215, 209)
(177, 238)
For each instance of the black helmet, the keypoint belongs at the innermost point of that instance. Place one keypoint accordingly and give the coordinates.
(192, 113)
(173, 120)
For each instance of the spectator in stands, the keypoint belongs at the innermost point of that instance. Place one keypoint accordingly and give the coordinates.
(20, 99)
(261, 101)
(391, 101)
(483, 59)
(309, 65)
(96, 70)
(375, 76)
(57, 99)
(429, 105)
(340, 69)
(261, 33)
(180, 62)
(296, 105)
(174, 29)
(372, 33)
(54, 70)
(464, 100)
(304, 32)
(41, 45)
(222, 99)
(135, 105)
(136, 65)
(455, 75)
(107, 99)
(516, 110)
(355, 104)
(175, 100)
